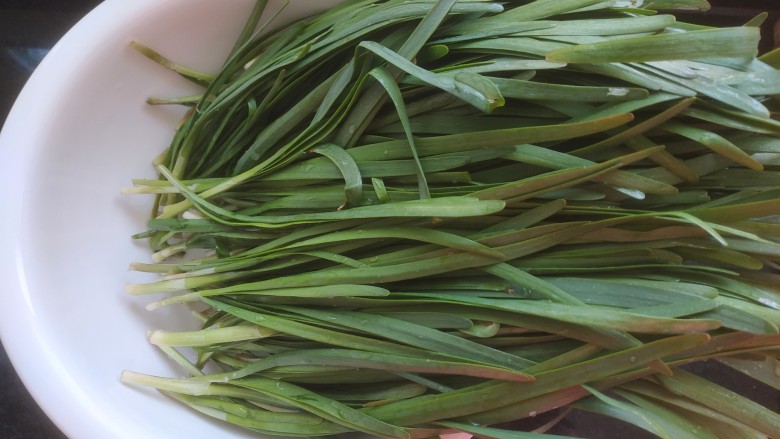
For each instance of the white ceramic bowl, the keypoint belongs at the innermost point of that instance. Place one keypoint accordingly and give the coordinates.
(78, 133)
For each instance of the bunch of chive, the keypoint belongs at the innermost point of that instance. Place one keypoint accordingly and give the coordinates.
(405, 218)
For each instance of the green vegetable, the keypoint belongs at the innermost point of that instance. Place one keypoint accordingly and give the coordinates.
(406, 218)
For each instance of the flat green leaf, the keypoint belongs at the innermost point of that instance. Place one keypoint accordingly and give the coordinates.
(739, 42)
(417, 335)
(549, 158)
(259, 420)
(602, 26)
(624, 135)
(724, 401)
(495, 433)
(388, 82)
(420, 234)
(696, 5)
(319, 405)
(533, 91)
(487, 139)
(493, 395)
(471, 88)
(353, 187)
(704, 416)
(676, 423)
(197, 77)
(362, 359)
(528, 12)
(433, 207)
(528, 218)
(594, 316)
(713, 89)
(760, 370)
(772, 57)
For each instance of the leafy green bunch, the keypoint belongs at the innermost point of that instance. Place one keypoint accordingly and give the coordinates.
(412, 217)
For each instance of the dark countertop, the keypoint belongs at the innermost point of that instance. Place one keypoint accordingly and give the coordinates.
(29, 28)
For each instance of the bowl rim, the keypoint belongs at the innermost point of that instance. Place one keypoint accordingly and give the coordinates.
(22, 338)
(49, 366)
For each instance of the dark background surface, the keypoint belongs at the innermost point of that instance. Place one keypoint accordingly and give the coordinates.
(29, 28)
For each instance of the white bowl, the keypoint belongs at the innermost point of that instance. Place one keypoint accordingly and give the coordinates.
(79, 132)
